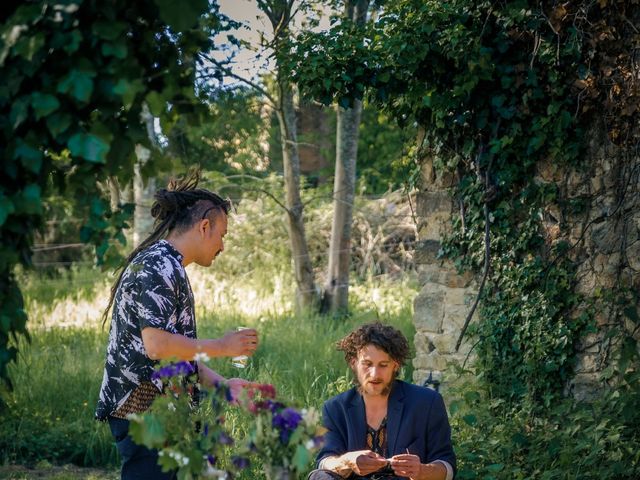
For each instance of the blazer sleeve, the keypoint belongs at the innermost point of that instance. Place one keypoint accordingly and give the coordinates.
(334, 441)
(438, 434)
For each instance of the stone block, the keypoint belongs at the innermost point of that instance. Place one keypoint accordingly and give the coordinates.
(426, 252)
(455, 316)
(428, 310)
(445, 343)
(456, 296)
(584, 386)
(429, 203)
(428, 273)
(587, 363)
(454, 280)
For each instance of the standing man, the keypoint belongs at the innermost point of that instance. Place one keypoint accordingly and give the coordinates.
(154, 315)
(383, 427)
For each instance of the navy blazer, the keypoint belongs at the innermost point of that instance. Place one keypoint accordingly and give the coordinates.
(416, 421)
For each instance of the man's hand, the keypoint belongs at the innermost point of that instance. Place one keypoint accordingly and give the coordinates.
(406, 465)
(241, 342)
(364, 462)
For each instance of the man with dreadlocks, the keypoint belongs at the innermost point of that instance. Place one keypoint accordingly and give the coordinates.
(383, 428)
(153, 315)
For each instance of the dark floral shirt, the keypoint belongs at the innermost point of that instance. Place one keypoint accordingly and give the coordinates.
(154, 292)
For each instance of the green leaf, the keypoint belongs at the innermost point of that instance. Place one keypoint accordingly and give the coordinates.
(19, 111)
(108, 30)
(29, 156)
(6, 208)
(301, 458)
(118, 50)
(30, 200)
(89, 147)
(78, 84)
(58, 123)
(128, 90)
(156, 103)
(43, 104)
(181, 15)
(28, 46)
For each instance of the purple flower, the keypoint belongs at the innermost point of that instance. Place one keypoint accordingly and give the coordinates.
(211, 459)
(205, 431)
(225, 439)
(240, 462)
(286, 421)
(173, 369)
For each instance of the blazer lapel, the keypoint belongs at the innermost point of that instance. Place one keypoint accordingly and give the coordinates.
(358, 420)
(394, 417)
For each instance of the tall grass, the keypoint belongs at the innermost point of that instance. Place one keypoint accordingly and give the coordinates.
(49, 414)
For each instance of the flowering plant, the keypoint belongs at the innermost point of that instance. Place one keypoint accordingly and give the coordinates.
(187, 427)
(282, 437)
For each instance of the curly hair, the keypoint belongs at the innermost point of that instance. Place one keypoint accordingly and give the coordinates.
(385, 337)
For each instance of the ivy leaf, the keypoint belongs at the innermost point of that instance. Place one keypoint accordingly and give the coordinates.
(88, 146)
(58, 123)
(181, 15)
(29, 156)
(6, 209)
(29, 201)
(78, 84)
(128, 90)
(44, 104)
(19, 111)
(118, 50)
(28, 46)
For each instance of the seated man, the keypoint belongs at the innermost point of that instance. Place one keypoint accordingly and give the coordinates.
(383, 427)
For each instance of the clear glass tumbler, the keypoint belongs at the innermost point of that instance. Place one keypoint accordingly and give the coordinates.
(240, 361)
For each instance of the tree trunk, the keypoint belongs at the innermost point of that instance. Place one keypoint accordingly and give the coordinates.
(306, 294)
(143, 192)
(336, 290)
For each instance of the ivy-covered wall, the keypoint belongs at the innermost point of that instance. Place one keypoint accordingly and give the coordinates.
(594, 219)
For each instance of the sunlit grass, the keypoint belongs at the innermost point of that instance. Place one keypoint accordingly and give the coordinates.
(49, 415)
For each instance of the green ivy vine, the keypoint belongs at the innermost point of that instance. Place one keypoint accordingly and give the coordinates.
(499, 88)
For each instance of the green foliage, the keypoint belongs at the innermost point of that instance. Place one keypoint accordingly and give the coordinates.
(75, 77)
(586, 440)
(496, 88)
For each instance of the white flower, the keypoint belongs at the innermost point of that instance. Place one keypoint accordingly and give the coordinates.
(311, 416)
(310, 444)
(171, 407)
(215, 473)
(201, 357)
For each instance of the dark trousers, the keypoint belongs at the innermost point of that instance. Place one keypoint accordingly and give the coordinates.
(137, 461)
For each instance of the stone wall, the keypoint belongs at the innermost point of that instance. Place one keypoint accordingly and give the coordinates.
(604, 238)
(445, 299)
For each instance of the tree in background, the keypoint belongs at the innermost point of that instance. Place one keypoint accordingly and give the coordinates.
(336, 289)
(75, 78)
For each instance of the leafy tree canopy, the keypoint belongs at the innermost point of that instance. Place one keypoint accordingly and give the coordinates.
(76, 74)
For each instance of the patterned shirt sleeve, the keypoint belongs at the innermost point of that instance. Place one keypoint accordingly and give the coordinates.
(157, 296)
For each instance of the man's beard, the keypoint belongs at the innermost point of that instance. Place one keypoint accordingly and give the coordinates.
(383, 393)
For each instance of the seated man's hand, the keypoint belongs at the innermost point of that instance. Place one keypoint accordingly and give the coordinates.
(364, 462)
(406, 465)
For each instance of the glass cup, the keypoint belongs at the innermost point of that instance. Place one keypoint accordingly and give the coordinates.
(240, 361)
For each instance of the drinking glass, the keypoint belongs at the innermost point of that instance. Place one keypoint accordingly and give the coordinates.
(240, 361)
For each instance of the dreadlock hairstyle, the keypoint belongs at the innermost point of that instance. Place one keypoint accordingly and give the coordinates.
(176, 207)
